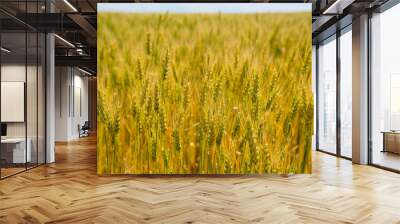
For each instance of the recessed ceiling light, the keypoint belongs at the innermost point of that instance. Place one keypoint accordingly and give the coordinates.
(65, 41)
(70, 5)
(337, 7)
(84, 71)
(5, 50)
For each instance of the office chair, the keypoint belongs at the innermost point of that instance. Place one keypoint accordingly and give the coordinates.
(84, 130)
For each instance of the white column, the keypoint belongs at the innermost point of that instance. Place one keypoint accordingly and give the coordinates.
(360, 89)
(50, 99)
(50, 92)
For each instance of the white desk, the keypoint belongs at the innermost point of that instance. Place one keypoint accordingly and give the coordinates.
(18, 149)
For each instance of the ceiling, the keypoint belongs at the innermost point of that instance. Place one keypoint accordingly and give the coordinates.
(332, 15)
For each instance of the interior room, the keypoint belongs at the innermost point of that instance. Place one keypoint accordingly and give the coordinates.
(54, 104)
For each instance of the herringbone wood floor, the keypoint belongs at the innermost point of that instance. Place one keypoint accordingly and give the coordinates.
(69, 191)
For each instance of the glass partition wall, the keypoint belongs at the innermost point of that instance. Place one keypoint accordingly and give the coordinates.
(385, 89)
(13, 89)
(334, 94)
(22, 77)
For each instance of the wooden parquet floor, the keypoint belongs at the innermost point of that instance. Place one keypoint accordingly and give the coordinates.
(70, 191)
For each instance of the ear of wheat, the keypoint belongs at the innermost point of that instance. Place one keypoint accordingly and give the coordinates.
(204, 93)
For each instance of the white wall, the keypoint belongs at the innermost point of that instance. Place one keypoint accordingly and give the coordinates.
(33, 126)
(80, 89)
(12, 73)
(62, 82)
(71, 94)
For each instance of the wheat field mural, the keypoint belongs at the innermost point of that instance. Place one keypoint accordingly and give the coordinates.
(204, 93)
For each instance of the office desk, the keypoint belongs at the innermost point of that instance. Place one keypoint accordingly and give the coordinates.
(13, 150)
(391, 141)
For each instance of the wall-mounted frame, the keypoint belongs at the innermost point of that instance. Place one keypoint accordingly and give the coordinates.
(13, 98)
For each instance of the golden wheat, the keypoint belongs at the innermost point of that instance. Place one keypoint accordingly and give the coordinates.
(204, 93)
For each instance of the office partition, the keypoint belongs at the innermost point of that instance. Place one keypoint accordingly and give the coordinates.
(14, 148)
(22, 77)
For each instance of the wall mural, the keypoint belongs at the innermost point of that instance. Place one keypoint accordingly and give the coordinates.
(211, 93)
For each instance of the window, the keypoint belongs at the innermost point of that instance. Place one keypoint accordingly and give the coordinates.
(327, 96)
(385, 89)
(346, 93)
